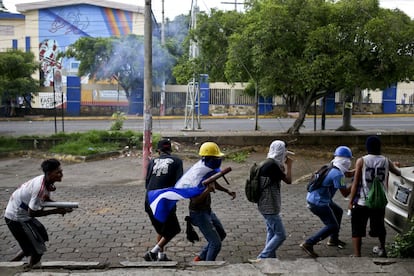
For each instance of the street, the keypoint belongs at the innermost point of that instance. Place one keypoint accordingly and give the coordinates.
(47, 127)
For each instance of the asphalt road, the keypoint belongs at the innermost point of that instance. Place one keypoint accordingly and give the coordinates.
(47, 127)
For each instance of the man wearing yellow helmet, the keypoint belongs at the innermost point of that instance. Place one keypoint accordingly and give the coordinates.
(201, 213)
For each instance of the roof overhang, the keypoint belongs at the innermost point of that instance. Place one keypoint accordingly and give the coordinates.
(12, 16)
(25, 7)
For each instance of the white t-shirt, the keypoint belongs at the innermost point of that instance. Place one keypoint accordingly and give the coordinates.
(29, 195)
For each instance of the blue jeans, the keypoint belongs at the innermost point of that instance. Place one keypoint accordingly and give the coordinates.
(213, 232)
(276, 235)
(331, 216)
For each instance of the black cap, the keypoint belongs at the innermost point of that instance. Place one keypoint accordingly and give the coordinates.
(373, 145)
(164, 145)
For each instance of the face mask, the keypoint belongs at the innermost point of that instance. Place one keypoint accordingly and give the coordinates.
(212, 163)
(342, 163)
(347, 163)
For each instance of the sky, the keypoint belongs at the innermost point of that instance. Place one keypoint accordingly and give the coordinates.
(173, 8)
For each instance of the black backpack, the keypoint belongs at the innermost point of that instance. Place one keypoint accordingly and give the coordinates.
(252, 187)
(318, 177)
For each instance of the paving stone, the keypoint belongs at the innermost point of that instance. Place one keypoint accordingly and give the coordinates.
(111, 224)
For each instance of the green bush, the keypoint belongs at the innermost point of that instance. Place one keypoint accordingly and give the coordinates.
(119, 118)
(403, 245)
(95, 141)
(238, 157)
(9, 144)
(83, 147)
(77, 143)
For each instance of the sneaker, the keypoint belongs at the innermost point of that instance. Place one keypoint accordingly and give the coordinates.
(150, 257)
(308, 248)
(338, 243)
(379, 251)
(163, 258)
(197, 259)
(254, 261)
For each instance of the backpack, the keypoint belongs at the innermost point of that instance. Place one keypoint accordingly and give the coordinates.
(318, 177)
(376, 198)
(252, 187)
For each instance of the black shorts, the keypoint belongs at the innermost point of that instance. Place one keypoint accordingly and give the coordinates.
(359, 220)
(31, 236)
(170, 228)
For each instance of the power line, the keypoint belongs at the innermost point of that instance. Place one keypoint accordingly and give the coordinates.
(235, 3)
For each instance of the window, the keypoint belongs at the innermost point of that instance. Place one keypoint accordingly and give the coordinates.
(74, 65)
(6, 30)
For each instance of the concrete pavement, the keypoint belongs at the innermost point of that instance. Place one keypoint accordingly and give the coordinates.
(302, 266)
(110, 232)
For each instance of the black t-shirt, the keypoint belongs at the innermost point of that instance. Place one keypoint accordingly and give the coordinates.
(163, 172)
(270, 198)
(272, 170)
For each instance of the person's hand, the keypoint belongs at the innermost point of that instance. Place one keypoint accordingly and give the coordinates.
(288, 160)
(350, 205)
(63, 211)
(211, 187)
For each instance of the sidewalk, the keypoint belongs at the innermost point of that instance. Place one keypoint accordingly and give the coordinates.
(320, 267)
(110, 232)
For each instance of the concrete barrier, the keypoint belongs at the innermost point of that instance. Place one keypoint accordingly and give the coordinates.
(317, 138)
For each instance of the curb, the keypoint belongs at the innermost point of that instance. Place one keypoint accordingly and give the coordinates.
(203, 117)
(300, 266)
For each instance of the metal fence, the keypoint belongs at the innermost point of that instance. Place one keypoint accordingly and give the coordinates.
(218, 96)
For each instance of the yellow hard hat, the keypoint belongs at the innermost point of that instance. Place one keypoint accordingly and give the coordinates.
(210, 149)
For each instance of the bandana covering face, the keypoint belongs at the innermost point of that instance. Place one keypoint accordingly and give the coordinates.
(277, 151)
(342, 163)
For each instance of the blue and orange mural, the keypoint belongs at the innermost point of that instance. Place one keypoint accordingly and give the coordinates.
(61, 26)
(117, 21)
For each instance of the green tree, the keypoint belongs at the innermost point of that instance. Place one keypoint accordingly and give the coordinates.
(271, 47)
(121, 58)
(304, 49)
(16, 70)
(211, 37)
(379, 48)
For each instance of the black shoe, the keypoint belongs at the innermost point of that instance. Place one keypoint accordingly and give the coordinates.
(308, 248)
(150, 257)
(338, 243)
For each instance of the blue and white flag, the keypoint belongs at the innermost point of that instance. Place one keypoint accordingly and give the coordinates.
(162, 201)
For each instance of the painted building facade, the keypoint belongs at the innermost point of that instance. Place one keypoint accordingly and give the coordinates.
(51, 26)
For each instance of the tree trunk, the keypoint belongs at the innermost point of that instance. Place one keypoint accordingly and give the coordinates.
(294, 129)
(347, 114)
(303, 104)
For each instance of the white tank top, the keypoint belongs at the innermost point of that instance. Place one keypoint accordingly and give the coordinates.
(374, 166)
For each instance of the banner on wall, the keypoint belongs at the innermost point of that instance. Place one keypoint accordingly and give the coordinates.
(109, 95)
(46, 100)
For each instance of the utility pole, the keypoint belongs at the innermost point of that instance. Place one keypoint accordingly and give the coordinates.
(162, 94)
(147, 141)
(192, 101)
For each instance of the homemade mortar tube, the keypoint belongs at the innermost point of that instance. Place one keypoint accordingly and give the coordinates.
(57, 204)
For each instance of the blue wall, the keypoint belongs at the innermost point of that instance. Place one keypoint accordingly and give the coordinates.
(73, 96)
(389, 99)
